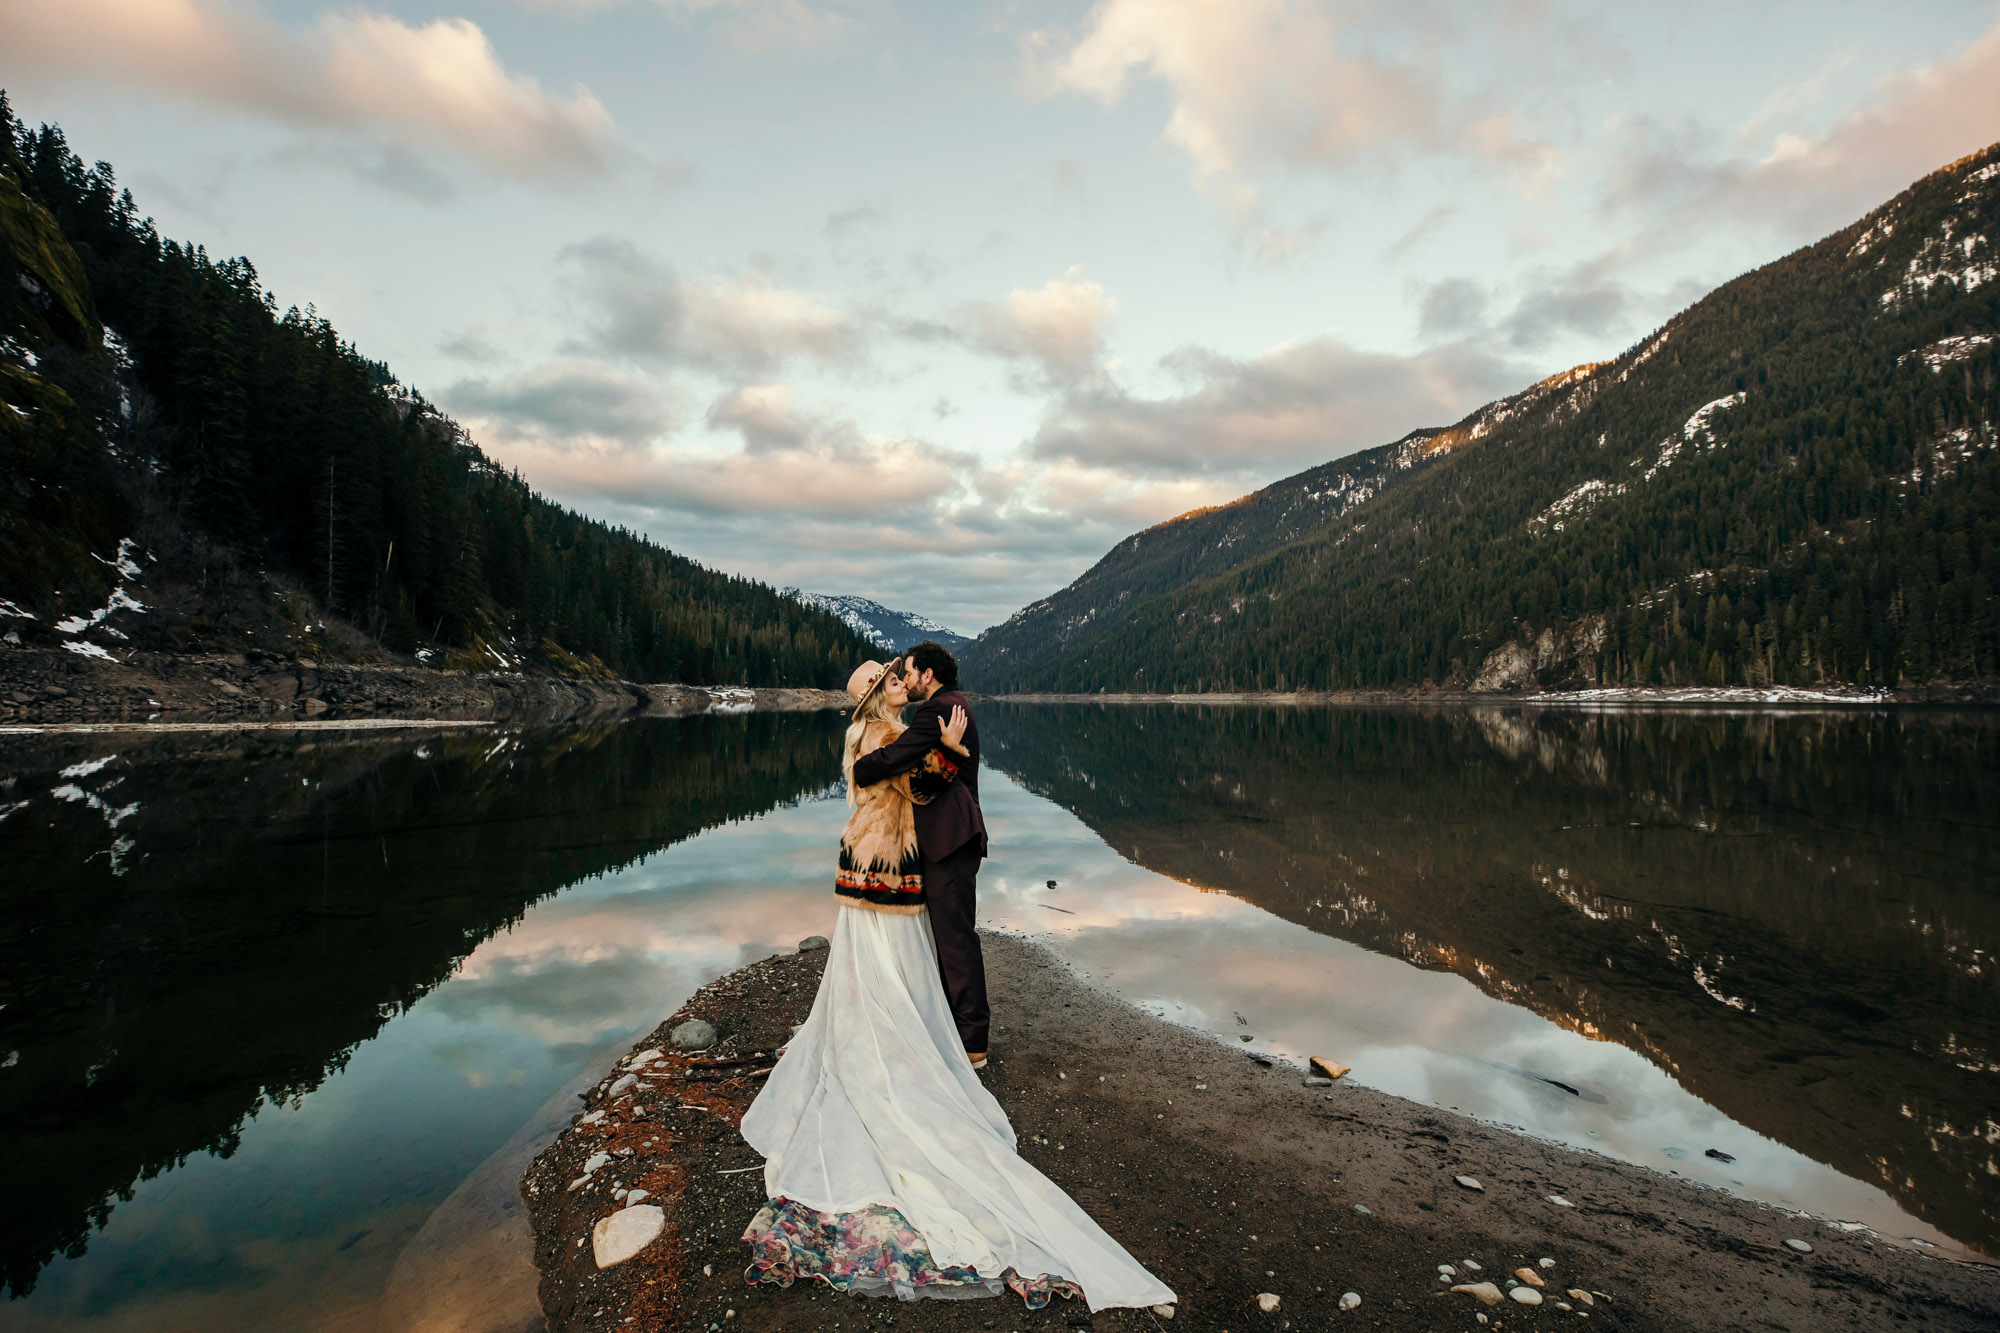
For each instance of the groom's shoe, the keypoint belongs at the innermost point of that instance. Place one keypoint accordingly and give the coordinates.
(978, 1059)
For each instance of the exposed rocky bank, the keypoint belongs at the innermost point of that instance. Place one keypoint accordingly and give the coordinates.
(1262, 1201)
(47, 686)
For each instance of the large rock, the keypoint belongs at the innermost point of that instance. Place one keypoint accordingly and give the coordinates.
(697, 1034)
(626, 1232)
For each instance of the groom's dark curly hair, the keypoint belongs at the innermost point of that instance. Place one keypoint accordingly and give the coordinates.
(936, 659)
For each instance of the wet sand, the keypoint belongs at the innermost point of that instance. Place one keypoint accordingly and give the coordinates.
(1251, 1185)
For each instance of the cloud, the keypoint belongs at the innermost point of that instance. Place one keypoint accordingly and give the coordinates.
(635, 307)
(1585, 300)
(439, 85)
(570, 405)
(1261, 81)
(839, 224)
(1912, 123)
(755, 26)
(1298, 405)
(1059, 325)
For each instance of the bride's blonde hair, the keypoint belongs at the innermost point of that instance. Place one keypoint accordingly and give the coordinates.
(874, 709)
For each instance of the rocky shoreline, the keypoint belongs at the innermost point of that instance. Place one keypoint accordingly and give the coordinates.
(1264, 1200)
(47, 686)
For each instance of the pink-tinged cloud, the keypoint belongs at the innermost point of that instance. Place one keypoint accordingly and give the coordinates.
(1059, 325)
(1910, 125)
(1257, 81)
(1298, 405)
(440, 84)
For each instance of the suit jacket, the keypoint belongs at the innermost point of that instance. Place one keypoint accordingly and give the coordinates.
(947, 824)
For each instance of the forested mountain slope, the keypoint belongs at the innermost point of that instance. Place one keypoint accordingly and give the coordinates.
(1795, 481)
(164, 426)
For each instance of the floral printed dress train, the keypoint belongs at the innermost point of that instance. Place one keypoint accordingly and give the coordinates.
(890, 1170)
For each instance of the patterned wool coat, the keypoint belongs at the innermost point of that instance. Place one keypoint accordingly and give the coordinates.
(881, 866)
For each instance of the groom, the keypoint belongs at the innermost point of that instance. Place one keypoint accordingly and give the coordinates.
(951, 834)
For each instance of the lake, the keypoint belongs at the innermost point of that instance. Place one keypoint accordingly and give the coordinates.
(283, 1015)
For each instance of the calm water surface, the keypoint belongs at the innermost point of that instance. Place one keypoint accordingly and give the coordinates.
(282, 1018)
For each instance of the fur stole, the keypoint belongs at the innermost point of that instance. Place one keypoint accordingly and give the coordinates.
(880, 865)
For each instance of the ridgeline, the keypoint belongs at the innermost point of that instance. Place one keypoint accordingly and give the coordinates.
(1795, 482)
(171, 440)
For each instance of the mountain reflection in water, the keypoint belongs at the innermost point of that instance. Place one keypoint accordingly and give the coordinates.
(199, 928)
(1794, 916)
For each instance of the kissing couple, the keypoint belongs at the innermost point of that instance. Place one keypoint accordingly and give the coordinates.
(889, 1169)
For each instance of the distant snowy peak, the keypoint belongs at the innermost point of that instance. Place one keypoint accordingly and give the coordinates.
(891, 630)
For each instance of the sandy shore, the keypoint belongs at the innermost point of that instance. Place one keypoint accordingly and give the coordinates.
(1228, 1178)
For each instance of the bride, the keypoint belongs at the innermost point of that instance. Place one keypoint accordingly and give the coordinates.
(889, 1169)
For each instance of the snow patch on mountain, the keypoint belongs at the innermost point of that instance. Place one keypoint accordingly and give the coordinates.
(886, 628)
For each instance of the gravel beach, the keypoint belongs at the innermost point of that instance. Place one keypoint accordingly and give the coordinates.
(1231, 1179)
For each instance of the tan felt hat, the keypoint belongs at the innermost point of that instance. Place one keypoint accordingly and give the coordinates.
(867, 679)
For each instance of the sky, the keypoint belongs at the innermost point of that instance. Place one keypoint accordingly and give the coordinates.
(934, 303)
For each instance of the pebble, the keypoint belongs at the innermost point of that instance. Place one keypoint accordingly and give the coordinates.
(696, 1034)
(1484, 1292)
(1530, 1276)
(1580, 1296)
(1798, 1245)
(1526, 1295)
(1469, 1183)
(1546, 1263)
(633, 1196)
(1481, 1316)
(645, 1057)
(1349, 1299)
(1447, 1270)
(592, 1118)
(1316, 1082)
(622, 1082)
(595, 1160)
(811, 942)
(1364, 1210)
(1560, 1202)
(626, 1232)
(1326, 1068)
(1473, 1264)
(1163, 1311)
(1266, 1301)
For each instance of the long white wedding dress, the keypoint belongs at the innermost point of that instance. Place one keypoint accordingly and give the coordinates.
(889, 1169)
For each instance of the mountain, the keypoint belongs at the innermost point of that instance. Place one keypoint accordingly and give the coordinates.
(890, 630)
(1794, 482)
(184, 468)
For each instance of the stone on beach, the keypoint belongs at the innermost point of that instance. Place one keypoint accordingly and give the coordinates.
(1484, 1292)
(1316, 1082)
(1529, 1276)
(697, 1034)
(1798, 1245)
(1560, 1202)
(1469, 1183)
(1266, 1301)
(1526, 1295)
(626, 1232)
(1580, 1296)
(811, 942)
(622, 1082)
(1546, 1263)
(1163, 1311)
(1349, 1299)
(1326, 1068)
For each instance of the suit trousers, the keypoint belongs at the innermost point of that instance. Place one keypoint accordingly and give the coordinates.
(952, 887)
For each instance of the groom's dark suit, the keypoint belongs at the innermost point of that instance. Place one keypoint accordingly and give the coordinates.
(951, 834)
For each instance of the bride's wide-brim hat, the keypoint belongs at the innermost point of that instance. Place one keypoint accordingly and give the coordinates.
(867, 679)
